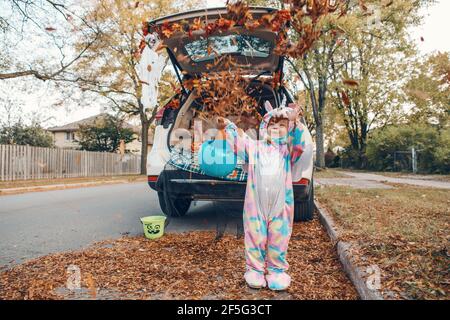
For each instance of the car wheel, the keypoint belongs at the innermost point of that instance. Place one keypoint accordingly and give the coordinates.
(175, 207)
(304, 210)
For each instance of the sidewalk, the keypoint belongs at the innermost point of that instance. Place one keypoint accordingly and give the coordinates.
(23, 186)
(410, 181)
(364, 180)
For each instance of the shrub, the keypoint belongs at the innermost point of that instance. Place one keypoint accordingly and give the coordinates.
(353, 159)
(433, 147)
(329, 158)
(104, 134)
(33, 135)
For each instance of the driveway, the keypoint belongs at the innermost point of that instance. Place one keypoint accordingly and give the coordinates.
(38, 223)
(370, 180)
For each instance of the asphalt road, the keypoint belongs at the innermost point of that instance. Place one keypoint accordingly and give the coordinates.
(38, 223)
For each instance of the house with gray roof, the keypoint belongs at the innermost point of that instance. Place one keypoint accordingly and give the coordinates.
(65, 136)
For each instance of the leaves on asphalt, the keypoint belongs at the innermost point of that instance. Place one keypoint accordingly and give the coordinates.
(179, 266)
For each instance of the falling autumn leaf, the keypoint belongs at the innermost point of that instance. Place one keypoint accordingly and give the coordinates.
(161, 47)
(351, 82)
(183, 58)
(362, 5)
(197, 25)
(389, 3)
(345, 98)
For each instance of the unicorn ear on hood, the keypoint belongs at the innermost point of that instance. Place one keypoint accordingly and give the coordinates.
(268, 106)
(283, 102)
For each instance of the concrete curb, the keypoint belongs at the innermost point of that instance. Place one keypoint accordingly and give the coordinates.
(11, 191)
(356, 275)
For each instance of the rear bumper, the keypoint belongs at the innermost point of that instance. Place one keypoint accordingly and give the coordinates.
(183, 184)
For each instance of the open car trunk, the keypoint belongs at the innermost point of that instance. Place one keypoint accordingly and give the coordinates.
(189, 130)
(197, 53)
(185, 130)
(194, 53)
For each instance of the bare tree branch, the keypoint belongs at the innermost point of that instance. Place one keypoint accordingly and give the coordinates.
(23, 7)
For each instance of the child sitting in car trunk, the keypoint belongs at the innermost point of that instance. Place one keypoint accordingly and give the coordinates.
(269, 200)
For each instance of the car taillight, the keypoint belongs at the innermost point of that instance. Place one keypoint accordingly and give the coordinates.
(302, 181)
(152, 178)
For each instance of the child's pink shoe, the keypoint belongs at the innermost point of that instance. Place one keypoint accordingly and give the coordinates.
(278, 281)
(255, 279)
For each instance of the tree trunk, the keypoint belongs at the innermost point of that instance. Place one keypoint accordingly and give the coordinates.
(320, 151)
(316, 107)
(320, 148)
(144, 145)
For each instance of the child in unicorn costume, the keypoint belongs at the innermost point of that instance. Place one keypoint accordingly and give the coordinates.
(269, 200)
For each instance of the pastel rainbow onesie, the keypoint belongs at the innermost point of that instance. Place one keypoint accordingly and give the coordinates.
(269, 200)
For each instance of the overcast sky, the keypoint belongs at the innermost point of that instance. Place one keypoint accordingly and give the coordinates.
(435, 29)
(434, 32)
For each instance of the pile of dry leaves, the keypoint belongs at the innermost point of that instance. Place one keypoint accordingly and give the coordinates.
(224, 93)
(179, 266)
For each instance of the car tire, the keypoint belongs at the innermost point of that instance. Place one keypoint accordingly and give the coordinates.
(179, 207)
(304, 210)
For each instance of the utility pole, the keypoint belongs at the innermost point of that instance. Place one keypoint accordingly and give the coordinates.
(395, 159)
(414, 160)
(122, 147)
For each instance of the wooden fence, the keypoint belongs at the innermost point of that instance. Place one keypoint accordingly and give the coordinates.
(25, 163)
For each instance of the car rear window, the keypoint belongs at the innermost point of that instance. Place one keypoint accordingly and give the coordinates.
(211, 47)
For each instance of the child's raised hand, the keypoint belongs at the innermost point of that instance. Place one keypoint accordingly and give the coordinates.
(296, 112)
(221, 122)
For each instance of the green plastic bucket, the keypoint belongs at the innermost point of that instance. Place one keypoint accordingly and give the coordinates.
(153, 226)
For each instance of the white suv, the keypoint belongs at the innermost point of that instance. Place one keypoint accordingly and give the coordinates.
(180, 182)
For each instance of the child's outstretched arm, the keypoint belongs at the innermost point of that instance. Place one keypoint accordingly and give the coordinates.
(296, 137)
(297, 142)
(235, 137)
